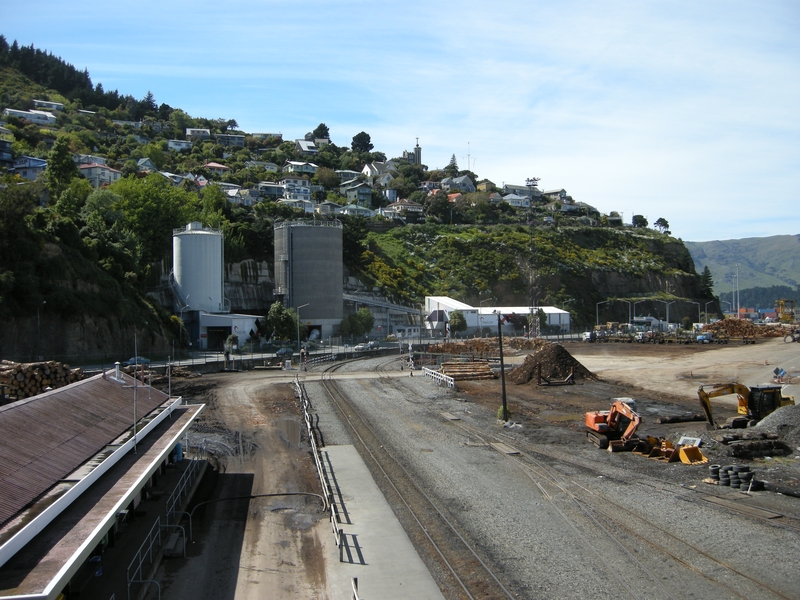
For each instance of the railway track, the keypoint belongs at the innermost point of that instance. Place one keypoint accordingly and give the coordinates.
(453, 560)
(631, 532)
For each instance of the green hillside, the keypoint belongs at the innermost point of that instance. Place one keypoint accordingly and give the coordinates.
(763, 262)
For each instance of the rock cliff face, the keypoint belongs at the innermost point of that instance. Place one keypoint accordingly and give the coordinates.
(249, 286)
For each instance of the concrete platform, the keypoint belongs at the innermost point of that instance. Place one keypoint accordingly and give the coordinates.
(377, 550)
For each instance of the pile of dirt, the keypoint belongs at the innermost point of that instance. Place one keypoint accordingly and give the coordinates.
(556, 363)
(744, 328)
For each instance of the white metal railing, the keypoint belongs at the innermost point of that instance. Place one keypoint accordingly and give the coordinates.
(330, 506)
(181, 490)
(134, 572)
(439, 377)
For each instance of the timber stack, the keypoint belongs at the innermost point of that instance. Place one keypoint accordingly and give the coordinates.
(463, 371)
(23, 380)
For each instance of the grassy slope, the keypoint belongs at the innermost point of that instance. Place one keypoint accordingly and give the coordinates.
(763, 262)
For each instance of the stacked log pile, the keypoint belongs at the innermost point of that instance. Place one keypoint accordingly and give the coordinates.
(486, 346)
(23, 380)
(463, 371)
(744, 328)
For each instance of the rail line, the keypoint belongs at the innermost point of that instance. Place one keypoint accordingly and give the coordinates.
(602, 508)
(462, 572)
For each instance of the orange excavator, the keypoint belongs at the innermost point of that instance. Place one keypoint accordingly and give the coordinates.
(614, 428)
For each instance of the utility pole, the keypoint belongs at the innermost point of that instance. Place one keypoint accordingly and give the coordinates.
(502, 366)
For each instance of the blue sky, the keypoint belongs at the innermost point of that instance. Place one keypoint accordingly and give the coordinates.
(683, 110)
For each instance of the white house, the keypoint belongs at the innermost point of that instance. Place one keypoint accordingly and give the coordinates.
(513, 319)
(296, 188)
(178, 145)
(517, 201)
(407, 206)
(293, 166)
(357, 211)
(98, 175)
(34, 116)
(305, 205)
(305, 147)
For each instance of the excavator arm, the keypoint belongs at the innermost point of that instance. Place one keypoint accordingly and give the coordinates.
(618, 410)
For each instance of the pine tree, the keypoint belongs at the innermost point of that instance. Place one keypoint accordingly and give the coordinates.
(706, 282)
(452, 168)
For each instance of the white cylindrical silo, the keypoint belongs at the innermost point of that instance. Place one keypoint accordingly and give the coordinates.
(197, 255)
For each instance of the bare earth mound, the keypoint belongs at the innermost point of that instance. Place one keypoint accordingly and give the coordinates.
(556, 363)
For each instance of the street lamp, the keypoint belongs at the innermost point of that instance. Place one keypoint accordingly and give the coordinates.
(667, 305)
(730, 306)
(38, 329)
(297, 310)
(628, 302)
(480, 318)
(597, 311)
(502, 365)
(706, 310)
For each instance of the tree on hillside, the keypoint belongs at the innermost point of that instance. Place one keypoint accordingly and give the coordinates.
(327, 178)
(639, 221)
(60, 168)
(321, 132)
(706, 282)
(662, 225)
(452, 167)
(148, 104)
(361, 142)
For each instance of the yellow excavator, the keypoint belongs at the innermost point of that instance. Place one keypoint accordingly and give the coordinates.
(785, 310)
(755, 402)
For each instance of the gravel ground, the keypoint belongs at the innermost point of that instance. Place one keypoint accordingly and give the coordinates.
(567, 538)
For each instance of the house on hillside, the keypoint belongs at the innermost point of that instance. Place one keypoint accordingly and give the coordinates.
(271, 190)
(198, 135)
(39, 117)
(216, 169)
(528, 191)
(99, 175)
(486, 186)
(230, 139)
(357, 211)
(270, 167)
(178, 145)
(296, 188)
(559, 195)
(406, 206)
(88, 159)
(358, 193)
(306, 147)
(453, 198)
(460, 184)
(48, 105)
(145, 164)
(347, 174)
(293, 166)
(305, 205)
(29, 167)
(517, 201)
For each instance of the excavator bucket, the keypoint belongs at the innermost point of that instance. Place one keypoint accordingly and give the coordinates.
(665, 453)
(691, 455)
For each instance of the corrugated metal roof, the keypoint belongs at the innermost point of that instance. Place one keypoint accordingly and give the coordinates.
(45, 438)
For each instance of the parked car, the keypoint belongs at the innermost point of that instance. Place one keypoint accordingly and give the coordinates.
(284, 353)
(361, 347)
(136, 360)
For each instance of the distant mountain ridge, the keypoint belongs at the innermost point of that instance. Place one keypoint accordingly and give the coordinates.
(763, 262)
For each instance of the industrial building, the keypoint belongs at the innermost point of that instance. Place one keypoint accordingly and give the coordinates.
(78, 463)
(309, 273)
(513, 318)
(198, 287)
